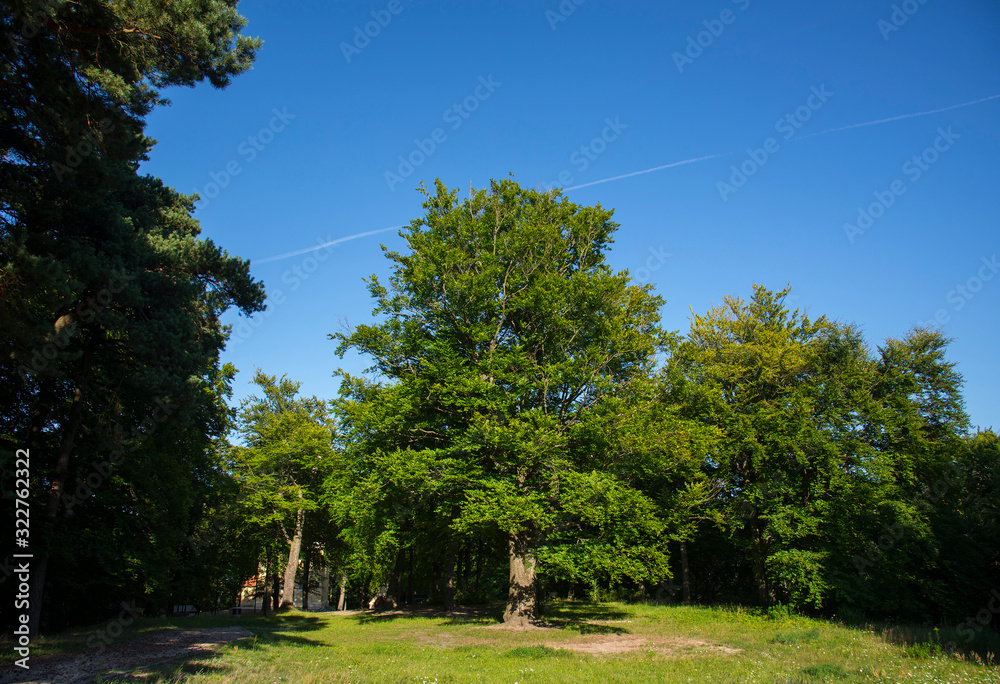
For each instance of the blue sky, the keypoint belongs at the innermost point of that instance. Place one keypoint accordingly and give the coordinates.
(332, 130)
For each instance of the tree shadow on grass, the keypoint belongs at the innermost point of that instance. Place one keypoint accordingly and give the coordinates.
(171, 672)
(285, 622)
(280, 639)
(584, 610)
(462, 615)
(962, 643)
(588, 618)
(270, 633)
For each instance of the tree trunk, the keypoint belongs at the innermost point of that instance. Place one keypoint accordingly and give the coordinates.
(288, 590)
(449, 582)
(396, 579)
(685, 574)
(521, 608)
(381, 600)
(275, 595)
(58, 484)
(342, 599)
(266, 601)
(759, 569)
(305, 579)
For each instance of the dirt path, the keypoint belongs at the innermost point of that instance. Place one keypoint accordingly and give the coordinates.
(71, 668)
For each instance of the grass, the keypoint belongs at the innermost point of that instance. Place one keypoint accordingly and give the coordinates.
(628, 643)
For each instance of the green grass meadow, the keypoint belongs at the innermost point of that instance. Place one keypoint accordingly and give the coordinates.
(608, 642)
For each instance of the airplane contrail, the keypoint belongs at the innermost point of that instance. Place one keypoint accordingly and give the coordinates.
(638, 173)
(651, 170)
(811, 135)
(324, 245)
(901, 116)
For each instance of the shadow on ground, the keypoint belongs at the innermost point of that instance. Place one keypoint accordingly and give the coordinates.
(162, 649)
(588, 618)
(461, 615)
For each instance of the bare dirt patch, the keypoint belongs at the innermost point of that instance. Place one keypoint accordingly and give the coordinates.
(604, 645)
(625, 643)
(124, 657)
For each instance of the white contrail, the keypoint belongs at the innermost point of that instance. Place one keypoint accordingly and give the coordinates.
(638, 173)
(811, 135)
(901, 116)
(324, 245)
(655, 168)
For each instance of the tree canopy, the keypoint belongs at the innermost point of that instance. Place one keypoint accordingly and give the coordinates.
(526, 427)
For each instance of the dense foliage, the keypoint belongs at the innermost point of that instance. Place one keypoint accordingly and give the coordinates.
(526, 426)
(109, 361)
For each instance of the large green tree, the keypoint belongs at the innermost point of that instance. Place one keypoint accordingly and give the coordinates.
(789, 396)
(510, 351)
(902, 523)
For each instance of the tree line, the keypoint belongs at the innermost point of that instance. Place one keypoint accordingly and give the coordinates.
(526, 428)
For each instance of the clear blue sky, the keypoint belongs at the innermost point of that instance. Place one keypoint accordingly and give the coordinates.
(634, 73)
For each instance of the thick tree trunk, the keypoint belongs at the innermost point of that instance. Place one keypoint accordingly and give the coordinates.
(342, 599)
(40, 567)
(305, 579)
(521, 608)
(288, 589)
(449, 582)
(685, 574)
(381, 600)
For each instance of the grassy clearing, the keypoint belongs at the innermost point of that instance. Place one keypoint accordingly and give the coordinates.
(587, 642)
